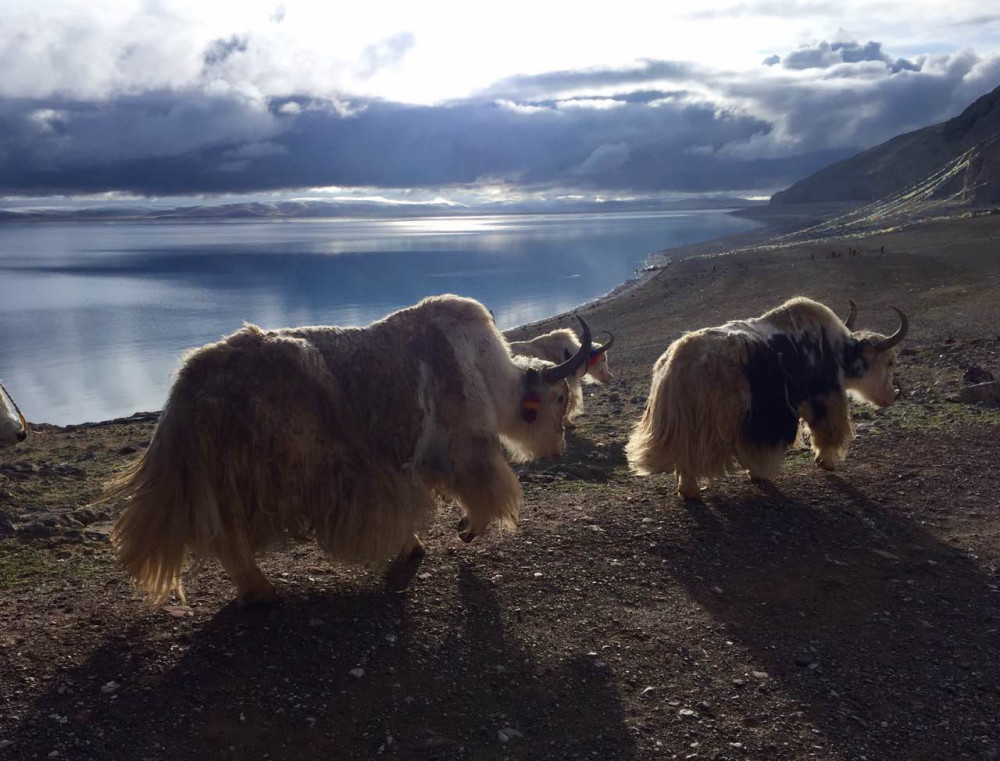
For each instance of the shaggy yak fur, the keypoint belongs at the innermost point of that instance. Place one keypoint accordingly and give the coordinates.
(342, 435)
(734, 395)
(13, 427)
(558, 346)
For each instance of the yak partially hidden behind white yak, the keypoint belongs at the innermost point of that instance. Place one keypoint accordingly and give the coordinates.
(558, 346)
(13, 427)
(342, 435)
(734, 395)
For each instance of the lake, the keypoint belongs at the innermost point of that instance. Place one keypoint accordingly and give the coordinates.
(95, 316)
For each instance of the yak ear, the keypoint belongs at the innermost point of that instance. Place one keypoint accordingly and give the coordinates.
(566, 354)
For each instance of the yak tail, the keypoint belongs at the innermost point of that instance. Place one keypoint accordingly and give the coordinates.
(152, 535)
(652, 446)
(687, 427)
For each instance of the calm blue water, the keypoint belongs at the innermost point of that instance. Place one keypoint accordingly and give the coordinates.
(95, 316)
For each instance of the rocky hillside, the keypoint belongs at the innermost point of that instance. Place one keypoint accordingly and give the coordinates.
(909, 159)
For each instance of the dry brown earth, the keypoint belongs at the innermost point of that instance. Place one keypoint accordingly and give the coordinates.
(853, 615)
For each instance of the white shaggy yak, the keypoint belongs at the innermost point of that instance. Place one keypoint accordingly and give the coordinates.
(13, 427)
(734, 395)
(341, 435)
(558, 346)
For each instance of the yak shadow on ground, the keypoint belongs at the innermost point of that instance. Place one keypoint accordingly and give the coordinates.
(340, 675)
(885, 635)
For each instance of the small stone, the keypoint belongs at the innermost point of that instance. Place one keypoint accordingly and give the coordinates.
(687, 712)
(886, 555)
(804, 659)
(538, 574)
(110, 687)
(54, 754)
(717, 590)
(5, 744)
(357, 673)
(759, 674)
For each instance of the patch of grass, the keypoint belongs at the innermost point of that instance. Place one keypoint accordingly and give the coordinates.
(23, 564)
(921, 418)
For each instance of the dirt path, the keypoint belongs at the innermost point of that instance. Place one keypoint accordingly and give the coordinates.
(834, 616)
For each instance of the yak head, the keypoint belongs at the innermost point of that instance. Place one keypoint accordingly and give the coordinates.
(12, 425)
(871, 375)
(538, 430)
(596, 367)
(597, 362)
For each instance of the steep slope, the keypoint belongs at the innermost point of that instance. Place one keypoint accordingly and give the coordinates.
(908, 159)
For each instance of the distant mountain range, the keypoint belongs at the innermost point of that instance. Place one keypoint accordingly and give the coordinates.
(355, 208)
(963, 153)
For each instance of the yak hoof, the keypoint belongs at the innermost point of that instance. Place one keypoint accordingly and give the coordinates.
(402, 570)
(467, 536)
(690, 494)
(825, 464)
(264, 596)
(463, 524)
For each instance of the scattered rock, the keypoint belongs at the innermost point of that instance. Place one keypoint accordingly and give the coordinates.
(886, 555)
(110, 688)
(981, 392)
(36, 529)
(507, 733)
(357, 673)
(974, 375)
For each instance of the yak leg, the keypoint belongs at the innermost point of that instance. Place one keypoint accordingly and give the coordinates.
(252, 586)
(486, 486)
(687, 485)
(829, 422)
(401, 571)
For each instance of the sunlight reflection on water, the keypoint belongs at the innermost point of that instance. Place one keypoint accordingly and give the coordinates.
(94, 317)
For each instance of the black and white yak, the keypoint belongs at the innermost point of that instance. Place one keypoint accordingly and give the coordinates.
(732, 396)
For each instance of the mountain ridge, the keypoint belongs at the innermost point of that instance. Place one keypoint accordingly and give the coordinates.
(907, 159)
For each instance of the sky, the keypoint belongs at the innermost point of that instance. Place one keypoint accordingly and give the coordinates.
(168, 101)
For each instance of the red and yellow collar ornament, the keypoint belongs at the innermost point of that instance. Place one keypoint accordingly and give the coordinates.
(530, 403)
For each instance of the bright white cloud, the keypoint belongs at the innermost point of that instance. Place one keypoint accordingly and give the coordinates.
(426, 52)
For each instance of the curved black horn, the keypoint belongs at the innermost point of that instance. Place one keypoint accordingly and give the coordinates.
(570, 366)
(20, 415)
(607, 344)
(851, 316)
(904, 325)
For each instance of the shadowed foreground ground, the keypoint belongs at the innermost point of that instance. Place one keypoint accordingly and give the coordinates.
(833, 616)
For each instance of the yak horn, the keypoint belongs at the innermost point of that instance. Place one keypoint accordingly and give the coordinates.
(851, 316)
(571, 365)
(606, 346)
(887, 343)
(24, 423)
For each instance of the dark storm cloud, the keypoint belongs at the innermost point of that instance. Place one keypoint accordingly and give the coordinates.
(825, 54)
(656, 126)
(219, 50)
(535, 86)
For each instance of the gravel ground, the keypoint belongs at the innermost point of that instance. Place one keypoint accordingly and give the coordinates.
(852, 615)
